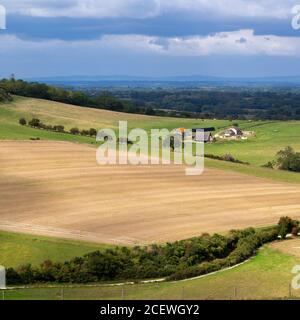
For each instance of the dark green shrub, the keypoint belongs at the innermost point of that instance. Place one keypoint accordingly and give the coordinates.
(22, 122)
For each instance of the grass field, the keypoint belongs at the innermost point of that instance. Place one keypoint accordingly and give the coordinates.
(266, 276)
(271, 136)
(57, 189)
(18, 249)
(55, 113)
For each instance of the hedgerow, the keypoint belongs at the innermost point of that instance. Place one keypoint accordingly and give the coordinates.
(178, 260)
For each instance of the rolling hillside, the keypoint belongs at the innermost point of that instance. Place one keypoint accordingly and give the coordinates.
(270, 136)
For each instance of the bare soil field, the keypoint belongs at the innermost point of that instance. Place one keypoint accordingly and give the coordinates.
(289, 246)
(57, 189)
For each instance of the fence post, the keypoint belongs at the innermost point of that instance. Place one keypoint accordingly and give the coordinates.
(235, 293)
(290, 291)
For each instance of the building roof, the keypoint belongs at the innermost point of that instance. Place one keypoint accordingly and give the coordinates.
(210, 129)
(207, 136)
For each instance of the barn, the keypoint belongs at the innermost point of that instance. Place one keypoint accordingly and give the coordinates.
(208, 137)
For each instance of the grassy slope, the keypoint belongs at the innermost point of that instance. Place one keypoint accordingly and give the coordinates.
(84, 118)
(270, 136)
(268, 275)
(17, 249)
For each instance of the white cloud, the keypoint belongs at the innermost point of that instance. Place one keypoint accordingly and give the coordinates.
(85, 8)
(148, 8)
(241, 42)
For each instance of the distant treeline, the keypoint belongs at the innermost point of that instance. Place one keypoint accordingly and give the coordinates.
(42, 91)
(4, 96)
(283, 104)
(178, 260)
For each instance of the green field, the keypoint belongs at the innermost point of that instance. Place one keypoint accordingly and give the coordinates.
(270, 136)
(17, 249)
(266, 276)
(55, 113)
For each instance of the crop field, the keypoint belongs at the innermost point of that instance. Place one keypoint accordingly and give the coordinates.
(291, 247)
(57, 189)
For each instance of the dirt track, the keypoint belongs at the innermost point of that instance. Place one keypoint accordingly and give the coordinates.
(57, 189)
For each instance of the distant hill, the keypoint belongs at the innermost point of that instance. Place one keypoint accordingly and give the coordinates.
(168, 81)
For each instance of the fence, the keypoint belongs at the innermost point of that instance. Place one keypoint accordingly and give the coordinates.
(153, 292)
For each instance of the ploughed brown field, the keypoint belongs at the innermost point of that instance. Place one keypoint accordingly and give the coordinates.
(57, 189)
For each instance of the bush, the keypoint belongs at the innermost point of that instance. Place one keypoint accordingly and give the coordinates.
(58, 128)
(288, 159)
(85, 132)
(226, 157)
(269, 165)
(295, 231)
(93, 132)
(286, 226)
(22, 122)
(36, 123)
(74, 131)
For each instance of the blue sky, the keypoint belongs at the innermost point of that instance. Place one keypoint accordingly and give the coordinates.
(232, 38)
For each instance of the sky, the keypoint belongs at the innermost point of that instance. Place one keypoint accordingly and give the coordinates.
(155, 38)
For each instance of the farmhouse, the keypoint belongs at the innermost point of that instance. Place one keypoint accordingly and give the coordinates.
(233, 132)
(208, 137)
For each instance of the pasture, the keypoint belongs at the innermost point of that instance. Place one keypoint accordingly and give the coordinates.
(19, 249)
(271, 136)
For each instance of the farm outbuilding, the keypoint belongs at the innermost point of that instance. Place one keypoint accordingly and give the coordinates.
(208, 137)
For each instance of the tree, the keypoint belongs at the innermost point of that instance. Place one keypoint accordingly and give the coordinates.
(93, 132)
(59, 128)
(286, 226)
(85, 132)
(288, 159)
(74, 131)
(22, 122)
(150, 111)
(35, 123)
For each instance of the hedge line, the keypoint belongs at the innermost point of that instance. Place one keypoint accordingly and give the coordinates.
(175, 261)
(246, 248)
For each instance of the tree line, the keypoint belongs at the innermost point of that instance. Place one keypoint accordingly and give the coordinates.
(4, 96)
(177, 260)
(36, 123)
(233, 103)
(102, 100)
